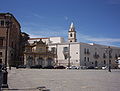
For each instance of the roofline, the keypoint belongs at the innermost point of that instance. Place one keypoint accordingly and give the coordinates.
(67, 43)
(37, 38)
(12, 16)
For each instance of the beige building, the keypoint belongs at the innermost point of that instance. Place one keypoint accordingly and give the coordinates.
(37, 53)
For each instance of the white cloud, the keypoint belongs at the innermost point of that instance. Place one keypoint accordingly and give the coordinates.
(38, 16)
(36, 36)
(103, 41)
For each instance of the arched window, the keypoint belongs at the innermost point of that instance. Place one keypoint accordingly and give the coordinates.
(71, 35)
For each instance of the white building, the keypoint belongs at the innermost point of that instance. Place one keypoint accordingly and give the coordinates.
(73, 53)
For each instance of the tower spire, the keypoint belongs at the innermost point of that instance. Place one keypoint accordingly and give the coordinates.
(72, 33)
(72, 25)
(72, 28)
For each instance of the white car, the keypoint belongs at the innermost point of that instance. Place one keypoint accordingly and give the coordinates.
(105, 67)
(73, 67)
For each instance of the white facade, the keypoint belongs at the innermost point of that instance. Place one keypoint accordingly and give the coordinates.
(72, 53)
(83, 54)
(47, 40)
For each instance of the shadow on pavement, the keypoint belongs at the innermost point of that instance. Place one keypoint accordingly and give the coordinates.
(42, 88)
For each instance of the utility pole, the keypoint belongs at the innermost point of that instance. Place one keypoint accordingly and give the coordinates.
(5, 73)
(56, 54)
(69, 55)
(109, 51)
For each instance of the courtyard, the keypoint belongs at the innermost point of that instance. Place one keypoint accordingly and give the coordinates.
(63, 80)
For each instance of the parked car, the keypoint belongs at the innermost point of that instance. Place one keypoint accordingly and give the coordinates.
(21, 66)
(60, 67)
(90, 67)
(48, 67)
(82, 67)
(72, 67)
(104, 67)
(36, 66)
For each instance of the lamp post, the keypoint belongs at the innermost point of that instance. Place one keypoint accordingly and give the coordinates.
(69, 56)
(109, 51)
(5, 73)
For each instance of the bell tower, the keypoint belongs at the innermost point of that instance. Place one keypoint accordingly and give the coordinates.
(72, 34)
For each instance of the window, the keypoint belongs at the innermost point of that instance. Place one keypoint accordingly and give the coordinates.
(84, 58)
(71, 35)
(88, 59)
(1, 42)
(1, 60)
(65, 49)
(76, 60)
(2, 23)
(0, 54)
(53, 49)
(85, 50)
(104, 56)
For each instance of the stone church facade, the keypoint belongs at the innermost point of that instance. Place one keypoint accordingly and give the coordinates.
(37, 53)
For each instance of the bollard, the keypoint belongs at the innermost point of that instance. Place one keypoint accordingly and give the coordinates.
(4, 82)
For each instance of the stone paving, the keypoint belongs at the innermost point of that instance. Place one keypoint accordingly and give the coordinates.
(63, 80)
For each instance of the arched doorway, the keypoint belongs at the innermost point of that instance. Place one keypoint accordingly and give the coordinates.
(30, 61)
(50, 62)
(40, 61)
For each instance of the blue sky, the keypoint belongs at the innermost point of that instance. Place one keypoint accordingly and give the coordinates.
(96, 21)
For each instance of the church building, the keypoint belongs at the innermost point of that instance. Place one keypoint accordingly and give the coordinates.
(73, 53)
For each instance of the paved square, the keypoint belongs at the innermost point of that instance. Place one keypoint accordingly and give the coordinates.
(63, 80)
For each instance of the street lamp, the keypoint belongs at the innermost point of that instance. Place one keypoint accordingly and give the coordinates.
(69, 56)
(109, 51)
(5, 73)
